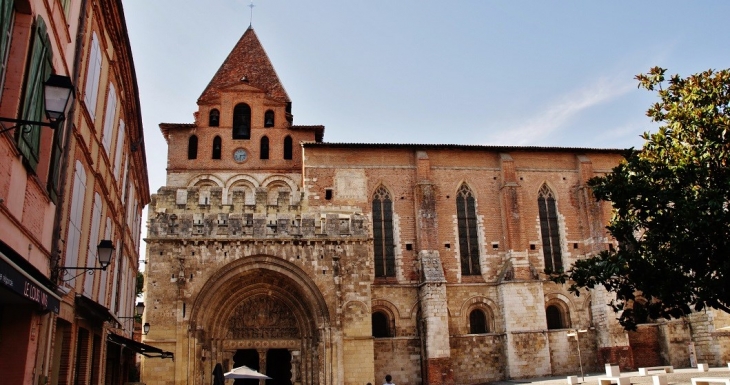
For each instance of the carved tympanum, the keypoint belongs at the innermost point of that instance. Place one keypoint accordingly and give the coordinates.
(262, 317)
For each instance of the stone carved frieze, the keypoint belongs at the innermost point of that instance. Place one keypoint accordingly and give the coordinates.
(262, 317)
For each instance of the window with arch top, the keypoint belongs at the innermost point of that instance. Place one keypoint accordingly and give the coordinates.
(269, 118)
(242, 121)
(214, 118)
(556, 317)
(288, 148)
(383, 244)
(478, 322)
(549, 229)
(381, 325)
(264, 150)
(467, 223)
(193, 147)
(216, 147)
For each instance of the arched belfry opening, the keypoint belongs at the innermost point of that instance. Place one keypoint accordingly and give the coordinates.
(265, 313)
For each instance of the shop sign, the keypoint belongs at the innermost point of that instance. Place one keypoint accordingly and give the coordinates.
(27, 287)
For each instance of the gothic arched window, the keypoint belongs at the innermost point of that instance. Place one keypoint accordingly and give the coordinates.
(287, 147)
(264, 150)
(193, 147)
(269, 119)
(242, 121)
(468, 239)
(549, 229)
(214, 118)
(381, 325)
(383, 243)
(216, 147)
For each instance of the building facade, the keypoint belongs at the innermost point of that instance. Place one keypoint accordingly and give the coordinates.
(65, 191)
(336, 263)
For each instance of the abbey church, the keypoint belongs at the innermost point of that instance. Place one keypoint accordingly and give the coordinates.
(339, 263)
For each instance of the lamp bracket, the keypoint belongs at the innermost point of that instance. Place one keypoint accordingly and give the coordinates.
(25, 124)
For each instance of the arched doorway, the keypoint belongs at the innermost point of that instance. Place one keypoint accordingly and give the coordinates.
(264, 309)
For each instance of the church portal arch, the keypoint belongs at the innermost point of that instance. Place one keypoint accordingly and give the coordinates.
(261, 304)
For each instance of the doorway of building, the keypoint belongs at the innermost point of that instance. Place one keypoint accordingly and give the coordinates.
(247, 357)
(278, 367)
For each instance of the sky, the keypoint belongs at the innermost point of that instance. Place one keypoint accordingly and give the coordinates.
(477, 72)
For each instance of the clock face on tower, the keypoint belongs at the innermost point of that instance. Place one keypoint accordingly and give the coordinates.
(240, 155)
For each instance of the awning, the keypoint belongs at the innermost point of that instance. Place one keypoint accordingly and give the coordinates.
(143, 349)
(94, 309)
(18, 280)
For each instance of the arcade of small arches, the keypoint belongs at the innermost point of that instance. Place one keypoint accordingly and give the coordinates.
(248, 185)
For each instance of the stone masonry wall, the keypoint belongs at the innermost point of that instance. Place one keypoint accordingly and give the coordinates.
(472, 354)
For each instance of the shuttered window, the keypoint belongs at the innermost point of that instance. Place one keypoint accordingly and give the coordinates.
(549, 229)
(91, 258)
(111, 110)
(7, 16)
(93, 72)
(76, 214)
(383, 243)
(468, 237)
(39, 69)
(119, 150)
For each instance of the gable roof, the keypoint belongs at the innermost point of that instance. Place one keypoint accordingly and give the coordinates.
(247, 60)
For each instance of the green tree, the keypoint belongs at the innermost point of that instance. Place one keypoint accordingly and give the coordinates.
(671, 210)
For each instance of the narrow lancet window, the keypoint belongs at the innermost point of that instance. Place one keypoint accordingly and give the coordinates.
(383, 243)
(549, 229)
(264, 148)
(217, 147)
(193, 147)
(288, 148)
(468, 238)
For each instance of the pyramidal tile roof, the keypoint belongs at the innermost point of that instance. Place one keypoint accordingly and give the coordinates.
(246, 64)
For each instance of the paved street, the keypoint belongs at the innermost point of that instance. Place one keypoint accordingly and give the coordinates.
(679, 377)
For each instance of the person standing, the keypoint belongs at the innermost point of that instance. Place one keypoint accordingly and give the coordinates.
(388, 380)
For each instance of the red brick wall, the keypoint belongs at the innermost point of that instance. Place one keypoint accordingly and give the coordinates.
(645, 346)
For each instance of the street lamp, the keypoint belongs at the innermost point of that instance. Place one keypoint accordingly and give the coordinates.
(575, 333)
(145, 328)
(58, 94)
(104, 252)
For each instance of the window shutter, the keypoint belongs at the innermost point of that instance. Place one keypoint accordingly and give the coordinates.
(93, 72)
(111, 109)
(7, 15)
(119, 150)
(73, 237)
(39, 69)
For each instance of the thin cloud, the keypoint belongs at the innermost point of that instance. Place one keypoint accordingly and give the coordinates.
(554, 117)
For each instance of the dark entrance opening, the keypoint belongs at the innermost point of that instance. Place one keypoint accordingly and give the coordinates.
(278, 367)
(247, 357)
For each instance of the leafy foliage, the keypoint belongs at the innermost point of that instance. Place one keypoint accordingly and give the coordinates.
(671, 205)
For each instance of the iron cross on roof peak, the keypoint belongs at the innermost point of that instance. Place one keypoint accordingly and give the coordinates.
(250, 21)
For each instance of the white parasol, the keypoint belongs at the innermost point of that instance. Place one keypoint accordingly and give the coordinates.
(245, 372)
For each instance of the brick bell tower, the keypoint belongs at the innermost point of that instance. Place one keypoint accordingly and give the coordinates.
(244, 122)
